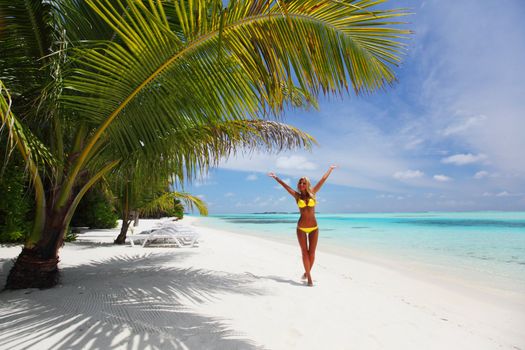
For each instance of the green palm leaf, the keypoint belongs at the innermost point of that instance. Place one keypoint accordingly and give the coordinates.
(171, 72)
(31, 150)
(24, 41)
(19, 136)
(165, 202)
(117, 88)
(175, 158)
(187, 151)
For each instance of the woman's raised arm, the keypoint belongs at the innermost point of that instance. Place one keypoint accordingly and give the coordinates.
(282, 183)
(318, 186)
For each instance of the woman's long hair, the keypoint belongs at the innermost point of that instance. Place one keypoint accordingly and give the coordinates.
(308, 187)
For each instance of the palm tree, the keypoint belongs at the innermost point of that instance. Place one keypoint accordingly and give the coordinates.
(149, 204)
(139, 193)
(169, 201)
(93, 82)
(141, 184)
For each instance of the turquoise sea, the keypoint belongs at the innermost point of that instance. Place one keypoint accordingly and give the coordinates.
(487, 246)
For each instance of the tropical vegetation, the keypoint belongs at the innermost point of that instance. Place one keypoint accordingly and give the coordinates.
(96, 210)
(91, 88)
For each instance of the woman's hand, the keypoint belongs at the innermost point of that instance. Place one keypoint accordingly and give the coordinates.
(272, 175)
(332, 167)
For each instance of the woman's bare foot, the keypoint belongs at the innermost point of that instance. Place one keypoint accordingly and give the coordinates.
(303, 277)
(310, 283)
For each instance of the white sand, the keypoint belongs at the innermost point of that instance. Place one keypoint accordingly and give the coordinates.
(242, 292)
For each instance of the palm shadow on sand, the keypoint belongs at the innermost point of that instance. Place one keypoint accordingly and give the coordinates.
(124, 302)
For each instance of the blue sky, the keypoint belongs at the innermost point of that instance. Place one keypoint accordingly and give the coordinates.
(448, 136)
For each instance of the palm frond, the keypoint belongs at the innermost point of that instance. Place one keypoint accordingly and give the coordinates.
(25, 42)
(32, 151)
(80, 22)
(182, 73)
(18, 135)
(24, 17)
(186, 152)
(165, 202)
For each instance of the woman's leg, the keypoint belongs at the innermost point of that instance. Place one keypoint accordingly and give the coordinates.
(312, 246)
(301, 237)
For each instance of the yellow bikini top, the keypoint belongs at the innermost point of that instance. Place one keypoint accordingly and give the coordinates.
(301, 203)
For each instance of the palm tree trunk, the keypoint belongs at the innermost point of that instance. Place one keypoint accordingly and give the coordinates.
(126, 221)
(37, 266)
(32, 270)
(121, 238)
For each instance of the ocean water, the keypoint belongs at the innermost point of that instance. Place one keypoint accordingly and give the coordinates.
(488, 246)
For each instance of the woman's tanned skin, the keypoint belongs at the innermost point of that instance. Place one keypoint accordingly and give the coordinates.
(307, 242)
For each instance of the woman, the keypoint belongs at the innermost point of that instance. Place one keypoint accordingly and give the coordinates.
(307, 230)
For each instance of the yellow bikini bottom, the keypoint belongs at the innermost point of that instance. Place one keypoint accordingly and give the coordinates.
(307, 230)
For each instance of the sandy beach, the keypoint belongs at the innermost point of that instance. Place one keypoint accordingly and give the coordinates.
(242, 292)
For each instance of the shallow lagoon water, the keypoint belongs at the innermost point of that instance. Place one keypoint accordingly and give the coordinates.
(489, 245)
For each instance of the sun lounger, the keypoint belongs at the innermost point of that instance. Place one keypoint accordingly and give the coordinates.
(186, 236)
(167, 236)
(138, 238)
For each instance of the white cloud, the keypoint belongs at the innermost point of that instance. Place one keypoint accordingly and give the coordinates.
(464, 125)
(251, 177)
(229, 194)
(442, 178)
(366, 155)
(408, 174)
(446, 99)
(294, 163)
(474, 106)
(463, 159)
(508, 194)
(502, 194)
(481, 174)
(413, 144)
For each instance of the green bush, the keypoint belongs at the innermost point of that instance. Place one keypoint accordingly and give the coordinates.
(95, 211)
(12, 236)
(70, 235)
(15, 203)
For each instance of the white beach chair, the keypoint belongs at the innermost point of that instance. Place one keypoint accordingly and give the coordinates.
(138, 238)
(167, 236)
(186, 236)
(161, 238)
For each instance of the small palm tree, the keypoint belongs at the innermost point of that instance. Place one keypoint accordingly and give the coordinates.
(87, 85)
(144, 204)
(140, 179)
(141, 194)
